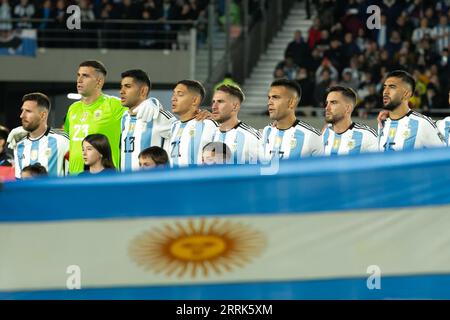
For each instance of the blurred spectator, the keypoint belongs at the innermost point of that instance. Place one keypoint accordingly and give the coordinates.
(381, 35)
(371, 101)
(421, 32)
(24, 11)
(394, 44)
(350, 48)
(349, 80)
(6, 154)
(45, 11)
(441, 34)
(314, 33)
(331, 72)
(335, 54)
(298, 50)
(5, 14)
(288, 67)
(307, 86)
(351, 22)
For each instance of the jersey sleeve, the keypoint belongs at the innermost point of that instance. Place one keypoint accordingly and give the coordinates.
(316, 145)
(431, 135)
(371, 143)
(116, 108)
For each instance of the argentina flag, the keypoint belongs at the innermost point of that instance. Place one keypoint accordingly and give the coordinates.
(368, 226)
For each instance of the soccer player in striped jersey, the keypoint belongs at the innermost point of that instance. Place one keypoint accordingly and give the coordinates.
(444, 125)
(42, 145)
(189, 136)
(243, 140)
(404, 129)
(342, 135)
(289, 138)
(138, 134)
(96, 113)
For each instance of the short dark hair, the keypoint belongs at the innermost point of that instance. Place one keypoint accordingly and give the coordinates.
(218, 148)
(101, 143)
(232, 90)
(289, 84)
(139, 76)
(345, 91)
(35, 170)
(41, 99)
(157, 154)
(404, 76)
(195, 86)
(3, 133)
(97, 65)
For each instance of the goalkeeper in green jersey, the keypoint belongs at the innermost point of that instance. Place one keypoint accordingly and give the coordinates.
(95, 113)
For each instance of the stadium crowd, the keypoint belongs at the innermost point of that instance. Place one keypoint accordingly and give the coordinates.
(340, 49)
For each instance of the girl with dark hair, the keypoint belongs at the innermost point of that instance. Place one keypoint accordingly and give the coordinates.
(96, 154)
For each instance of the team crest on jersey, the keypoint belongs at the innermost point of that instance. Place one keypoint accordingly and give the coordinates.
(192, 132)
(48, 152)
(34, 155)
(406, 133)
(84, 117)
(197, 248)
(132, 126)
(293, 143)
(97, 114)
(351, 144)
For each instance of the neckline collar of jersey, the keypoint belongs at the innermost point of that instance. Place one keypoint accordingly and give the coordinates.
(36, 139)
(406, 115)
(187, 120)
(235, 127)
(100, 97)
(296, 122)
(349, 128)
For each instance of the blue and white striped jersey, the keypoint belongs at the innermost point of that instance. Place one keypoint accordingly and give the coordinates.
(50, 150)
(188, 139)
(244, 142)
(138, 135)
(413, 131)
(300, 140)
(356, 139)
(444, 128)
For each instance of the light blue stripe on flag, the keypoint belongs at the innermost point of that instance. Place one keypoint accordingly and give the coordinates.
(53, 156)
(411, 140)
(357, 138)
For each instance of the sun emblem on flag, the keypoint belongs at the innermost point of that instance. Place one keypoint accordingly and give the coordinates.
(197, 247)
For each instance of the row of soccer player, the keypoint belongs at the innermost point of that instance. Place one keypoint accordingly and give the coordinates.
(136, 122)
